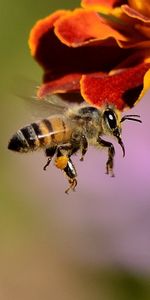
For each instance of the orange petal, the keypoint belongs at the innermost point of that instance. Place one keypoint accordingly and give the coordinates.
(81, 26)
(146, 85)
(129, 11)
(41, 27)
(58, 59)
(103, 6)
(143, 6)
(137, 23)
(122, 89)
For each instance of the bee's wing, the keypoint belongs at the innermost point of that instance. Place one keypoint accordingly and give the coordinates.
(43, 108)
(40, 108)
(55, 102)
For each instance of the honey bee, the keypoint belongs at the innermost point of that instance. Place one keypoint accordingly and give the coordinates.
(71, 131)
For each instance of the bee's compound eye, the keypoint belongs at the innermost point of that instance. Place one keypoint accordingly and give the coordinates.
(110, 118)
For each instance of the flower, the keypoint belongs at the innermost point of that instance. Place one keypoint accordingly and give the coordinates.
(100, 52)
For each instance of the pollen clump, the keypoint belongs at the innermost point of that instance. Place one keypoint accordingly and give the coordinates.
(61, 162)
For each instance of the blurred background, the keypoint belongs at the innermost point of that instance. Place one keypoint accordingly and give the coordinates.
(91, 244)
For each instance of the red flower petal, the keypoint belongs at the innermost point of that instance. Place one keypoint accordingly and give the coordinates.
(65, 84)
(121, 89)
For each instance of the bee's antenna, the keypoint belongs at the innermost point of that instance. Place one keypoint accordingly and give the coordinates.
(131, 117)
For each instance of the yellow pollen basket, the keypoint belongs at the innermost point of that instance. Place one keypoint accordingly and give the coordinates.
(61, 162)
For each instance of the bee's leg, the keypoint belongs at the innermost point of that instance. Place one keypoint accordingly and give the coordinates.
(84, 146)
(71, 174)
(111, 154)
(49, 153)
(63, 162)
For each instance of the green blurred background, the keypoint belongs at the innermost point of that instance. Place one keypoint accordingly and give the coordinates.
(92, 244)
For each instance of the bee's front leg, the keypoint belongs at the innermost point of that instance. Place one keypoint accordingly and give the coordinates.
(84, 146)
(111, 154)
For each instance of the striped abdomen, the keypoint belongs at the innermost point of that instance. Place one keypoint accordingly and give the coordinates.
(46, 133)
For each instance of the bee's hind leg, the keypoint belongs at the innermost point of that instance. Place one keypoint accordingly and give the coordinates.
(64, 162)
(71, 174)
(49, 153)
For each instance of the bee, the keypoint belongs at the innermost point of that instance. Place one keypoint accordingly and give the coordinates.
(71, 131)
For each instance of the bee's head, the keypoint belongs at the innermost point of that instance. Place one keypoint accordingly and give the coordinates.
(112, 123)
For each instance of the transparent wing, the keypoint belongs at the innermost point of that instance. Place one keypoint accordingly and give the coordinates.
(45, 107)
(35, 108)
(38, 108)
